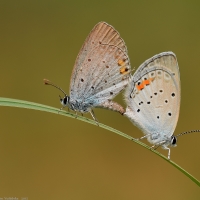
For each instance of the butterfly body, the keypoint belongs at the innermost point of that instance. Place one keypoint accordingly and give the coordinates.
(75, 105)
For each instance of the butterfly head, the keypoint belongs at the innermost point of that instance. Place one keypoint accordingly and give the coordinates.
(65, 100)
(173, 141)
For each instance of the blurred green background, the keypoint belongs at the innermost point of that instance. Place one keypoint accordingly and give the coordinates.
(48, 156)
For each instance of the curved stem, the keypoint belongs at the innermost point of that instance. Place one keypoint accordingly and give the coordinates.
(36, 106)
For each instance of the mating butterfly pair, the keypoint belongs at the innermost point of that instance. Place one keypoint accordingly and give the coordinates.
(102, 70)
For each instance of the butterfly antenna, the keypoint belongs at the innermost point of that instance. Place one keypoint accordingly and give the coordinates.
(192, 131)
(47, 82)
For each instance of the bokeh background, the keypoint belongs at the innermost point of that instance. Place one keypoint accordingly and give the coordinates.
(48, 156)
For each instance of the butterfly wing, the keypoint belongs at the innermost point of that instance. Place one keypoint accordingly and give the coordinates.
(153, 97)
(102, 67)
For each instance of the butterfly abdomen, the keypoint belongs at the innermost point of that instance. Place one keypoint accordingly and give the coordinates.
(111, 105)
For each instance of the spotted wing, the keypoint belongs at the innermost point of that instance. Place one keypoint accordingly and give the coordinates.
(102, 67)
(153, 96)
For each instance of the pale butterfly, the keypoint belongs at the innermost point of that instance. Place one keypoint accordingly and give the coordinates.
(102, 70)
(153, 100)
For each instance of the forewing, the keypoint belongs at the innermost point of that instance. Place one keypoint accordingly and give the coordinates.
(153, 95)
(108, 73)
(101, 34)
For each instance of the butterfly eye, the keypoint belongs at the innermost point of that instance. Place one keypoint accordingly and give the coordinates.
(65, 100)
(173, 140)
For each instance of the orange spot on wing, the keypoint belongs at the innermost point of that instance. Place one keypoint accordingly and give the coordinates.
(121, 63)
(140, 87)
(144, 83)
(124, 70)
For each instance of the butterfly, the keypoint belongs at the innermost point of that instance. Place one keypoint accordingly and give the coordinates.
(153, 99)
(102, 70)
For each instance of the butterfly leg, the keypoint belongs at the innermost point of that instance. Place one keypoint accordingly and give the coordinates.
(93, 116)
(167, 148)
(144, 136)
(76, 114)
(60, 109)
(154, 147)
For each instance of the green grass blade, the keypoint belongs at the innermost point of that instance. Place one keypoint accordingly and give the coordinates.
(36, 106)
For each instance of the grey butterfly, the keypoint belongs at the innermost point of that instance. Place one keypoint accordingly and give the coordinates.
(153, 99)
(102, 70)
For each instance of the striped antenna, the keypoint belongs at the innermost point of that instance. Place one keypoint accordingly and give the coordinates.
(192, 131)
